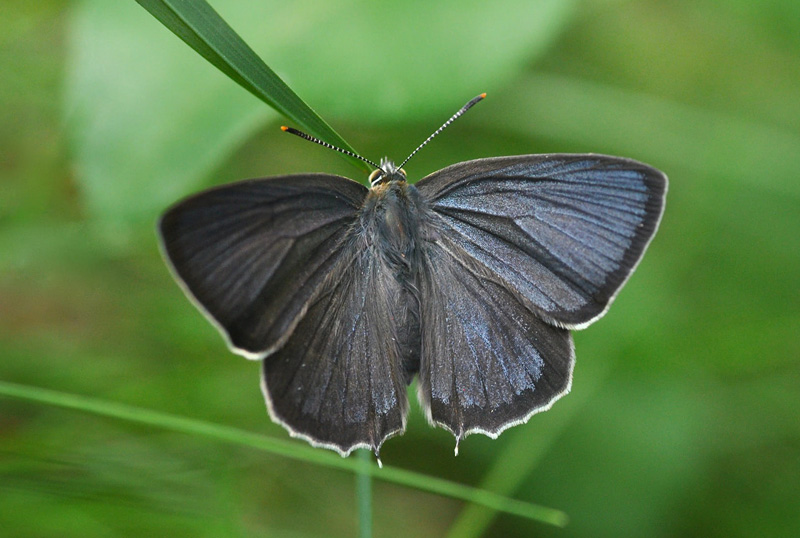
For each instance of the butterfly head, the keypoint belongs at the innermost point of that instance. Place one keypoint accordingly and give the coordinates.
(386, 172)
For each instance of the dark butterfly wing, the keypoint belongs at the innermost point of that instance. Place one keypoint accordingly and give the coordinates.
(488, 362)
(563, 231)
(253, 254)
(338, 382)
(281, 267)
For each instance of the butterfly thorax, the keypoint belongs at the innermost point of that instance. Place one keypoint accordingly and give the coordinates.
(390, 218)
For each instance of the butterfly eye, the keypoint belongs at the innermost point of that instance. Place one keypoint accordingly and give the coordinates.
(376, 176)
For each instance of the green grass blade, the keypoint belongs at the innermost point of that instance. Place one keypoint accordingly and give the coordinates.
(364, 494)
(286, 449)
(527, 447)
(488, 499)
(202, 28)
(664, 133)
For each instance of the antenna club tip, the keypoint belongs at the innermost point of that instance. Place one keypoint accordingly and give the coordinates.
(284, 128)
(483, 95)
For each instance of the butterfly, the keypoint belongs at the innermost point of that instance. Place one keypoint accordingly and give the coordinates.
(469, 279)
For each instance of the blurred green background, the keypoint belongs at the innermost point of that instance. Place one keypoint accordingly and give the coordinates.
(683, 417)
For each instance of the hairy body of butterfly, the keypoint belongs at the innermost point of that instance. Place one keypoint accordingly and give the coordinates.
(470, 279)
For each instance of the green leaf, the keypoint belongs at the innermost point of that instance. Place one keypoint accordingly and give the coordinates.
(515, 463)
(197, 24)
(284, 449)
(150, 120)
(668, 135)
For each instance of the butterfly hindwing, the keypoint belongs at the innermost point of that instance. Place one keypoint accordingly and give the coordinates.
(487, 361)
(564, 231)
(252, 254)
(338, 381)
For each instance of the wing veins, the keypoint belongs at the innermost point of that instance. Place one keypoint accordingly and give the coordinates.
(570, 280)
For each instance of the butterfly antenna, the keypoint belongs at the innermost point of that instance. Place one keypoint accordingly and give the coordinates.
(310, 138)
(453, 118)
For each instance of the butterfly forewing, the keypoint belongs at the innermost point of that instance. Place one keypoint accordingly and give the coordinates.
(563, 231)
(254, 253)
